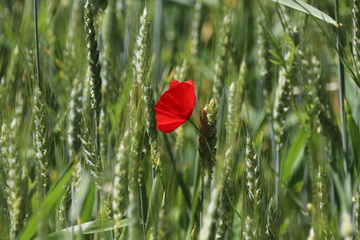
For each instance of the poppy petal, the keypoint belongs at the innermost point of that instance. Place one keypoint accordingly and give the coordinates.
(175, 106)
(191, 83)
(174, 83)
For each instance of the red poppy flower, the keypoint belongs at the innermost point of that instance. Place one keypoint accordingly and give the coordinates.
(175, 106)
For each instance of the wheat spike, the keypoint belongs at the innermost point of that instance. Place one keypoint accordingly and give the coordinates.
(207, 139)
(120, 185)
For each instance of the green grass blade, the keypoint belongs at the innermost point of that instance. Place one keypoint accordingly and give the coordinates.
(354, 135)
(341, 192)
(49, 204)
(294, 156)
(307, 9)
(157, 191)
(88, 204)
(89, 228)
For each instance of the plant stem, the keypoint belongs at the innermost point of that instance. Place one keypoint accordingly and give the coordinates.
(201, 184)
(341, 87)
(275, 155)
(37, 45)
(179, 176)
(157, 38)
(142, 212)
(196, 127)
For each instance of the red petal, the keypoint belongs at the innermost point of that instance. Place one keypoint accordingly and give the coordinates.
(191, 83)
(174, 83)
(175, 106)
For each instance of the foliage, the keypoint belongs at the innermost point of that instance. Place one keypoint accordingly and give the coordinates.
(270, 151)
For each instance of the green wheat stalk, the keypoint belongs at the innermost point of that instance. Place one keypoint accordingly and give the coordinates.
(109, 38)
(226, 214)
(264, 64)
(322, 191)
(207, 140)
(93, 61)
(75, 118)
(220, 62)
(252, 174)
(194, 29)
(120, 185)
(108, 69)
(94, 74)
(326, 120)
(249, 233)
(236, 92)
(233, 123)
(16, 178)
(281, 106)
(182, 71)
(151, 126)
(179, 142)
(271, 227)
(70, 45)
(141, 66)
(134, 165)
(206, 232)
(356, 33)
(89, 155)
(282, 98)
(163, 225)
(74, 140)
(40, 139)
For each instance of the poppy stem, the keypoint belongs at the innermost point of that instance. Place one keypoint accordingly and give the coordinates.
(198, 130)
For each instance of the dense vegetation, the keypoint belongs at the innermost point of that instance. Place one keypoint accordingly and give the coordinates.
(271, 150)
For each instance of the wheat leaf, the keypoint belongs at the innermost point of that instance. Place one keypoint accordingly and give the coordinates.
(307, 9)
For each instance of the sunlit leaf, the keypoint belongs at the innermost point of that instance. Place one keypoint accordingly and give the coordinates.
(308, 9)
(89, 228)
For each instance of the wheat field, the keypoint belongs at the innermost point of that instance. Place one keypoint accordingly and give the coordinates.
(269, 151)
